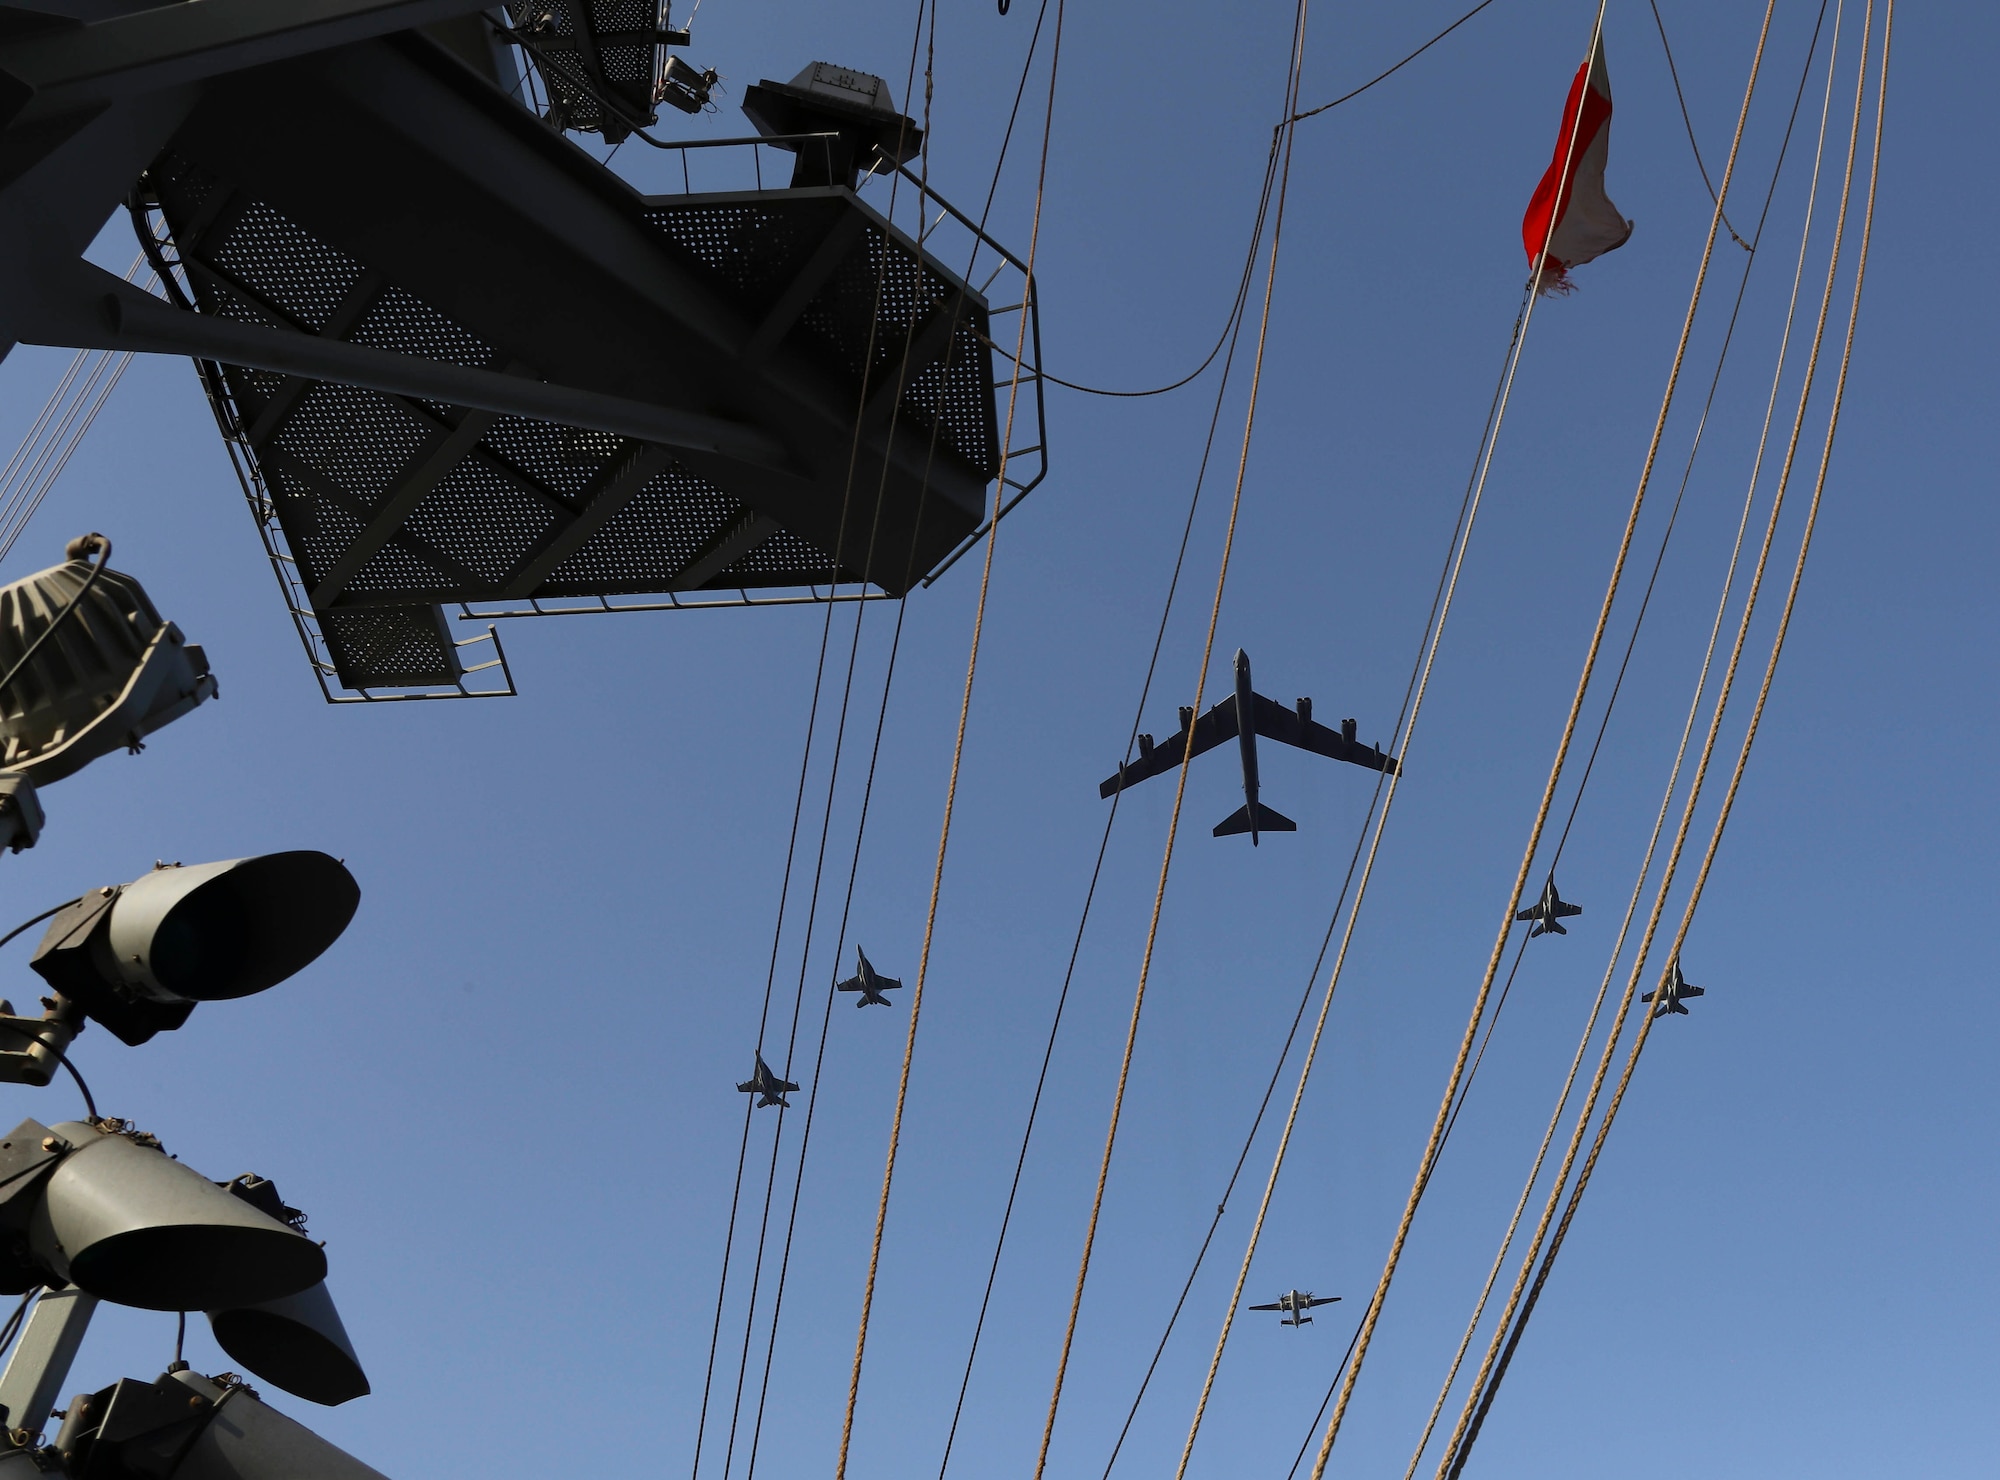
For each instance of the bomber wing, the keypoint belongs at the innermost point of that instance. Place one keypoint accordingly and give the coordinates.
(1298, 727)
(1218, 725)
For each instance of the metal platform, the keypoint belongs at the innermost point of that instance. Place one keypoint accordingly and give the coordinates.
(398, 202)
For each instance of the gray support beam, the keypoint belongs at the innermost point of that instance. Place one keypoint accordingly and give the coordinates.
(928, 341)
(170, 45)
(89, 308)
(39, 1365)
(618, 488)
(432, 461)
(738, 540)
(800, 291)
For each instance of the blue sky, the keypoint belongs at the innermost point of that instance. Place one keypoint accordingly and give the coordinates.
(506, 1097)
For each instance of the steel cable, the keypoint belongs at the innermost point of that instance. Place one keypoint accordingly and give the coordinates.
(951, 785)
(1484, 1394)
(1294, 69)
(1438, 595)
(784, 888)
(1104, 841)
(1659, 824)
(1428, 1159)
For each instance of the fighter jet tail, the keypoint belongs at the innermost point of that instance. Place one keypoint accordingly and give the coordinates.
(1267, 821)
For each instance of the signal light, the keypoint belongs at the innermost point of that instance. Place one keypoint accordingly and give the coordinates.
(188, 1427)
(138, 957)
(297, 1343)
(100, 1205)
(90, 666)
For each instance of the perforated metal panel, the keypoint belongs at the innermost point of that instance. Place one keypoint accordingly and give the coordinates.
(786, 313)
(588, 50)
(397, 646)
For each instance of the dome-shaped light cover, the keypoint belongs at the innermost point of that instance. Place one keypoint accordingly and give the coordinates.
(122, 1220)
(111, 673)
(297, 1343)
(219, 930)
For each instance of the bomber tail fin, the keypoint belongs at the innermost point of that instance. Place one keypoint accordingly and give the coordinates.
(1267, 821)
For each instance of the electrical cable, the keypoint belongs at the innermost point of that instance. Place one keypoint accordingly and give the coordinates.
(1659, 823)
(957, 758)
(1483, 464)
(1675, 73)
(1438, 597)
(89, 1101)
(1687, 729)
(1104, 843)
(1236, 311)
(925, 8)
(840, 541)
(102, 545)
(1428, 1160)
(1486, 1392)
(1391, 72)
(11, 1327)
(37, 919)
(1294, 68)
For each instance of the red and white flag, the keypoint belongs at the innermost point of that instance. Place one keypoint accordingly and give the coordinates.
(1570, 219)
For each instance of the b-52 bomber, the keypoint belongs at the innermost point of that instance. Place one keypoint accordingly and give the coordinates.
(767, 1086)
(1549, 911)
(869, 982)
(1297, 1303)
(1267, 718)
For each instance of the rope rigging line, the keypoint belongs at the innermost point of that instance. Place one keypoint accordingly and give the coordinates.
(1294, 69)
(1398, 737)
(1428, 1160)
(784, 888)
(1104, 841)
(1429, 647)
(1486, 1396)
(927, 30)
(957, 758)
(1610, 1046)
(1659, 824)
(1428, 642)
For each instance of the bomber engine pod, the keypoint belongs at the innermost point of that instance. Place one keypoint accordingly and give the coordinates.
(185, 1427)
(297, 1343)
(102, 1207)
(139, 956)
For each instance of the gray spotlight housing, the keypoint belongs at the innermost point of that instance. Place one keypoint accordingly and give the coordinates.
(297, 1343)
(101, 1206)
(188, 1427)
(112, 672)
(138, 957)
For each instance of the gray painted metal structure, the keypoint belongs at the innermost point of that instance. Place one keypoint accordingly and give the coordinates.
(466, 363)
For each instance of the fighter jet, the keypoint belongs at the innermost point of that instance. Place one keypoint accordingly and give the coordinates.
(1297, 1302)
(767, 1087)
(1677, 987)
(1549, 911)
(869, 982)
(1274, 721)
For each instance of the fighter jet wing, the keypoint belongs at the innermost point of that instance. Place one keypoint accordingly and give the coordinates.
(1289, 727)
(1218, 725)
